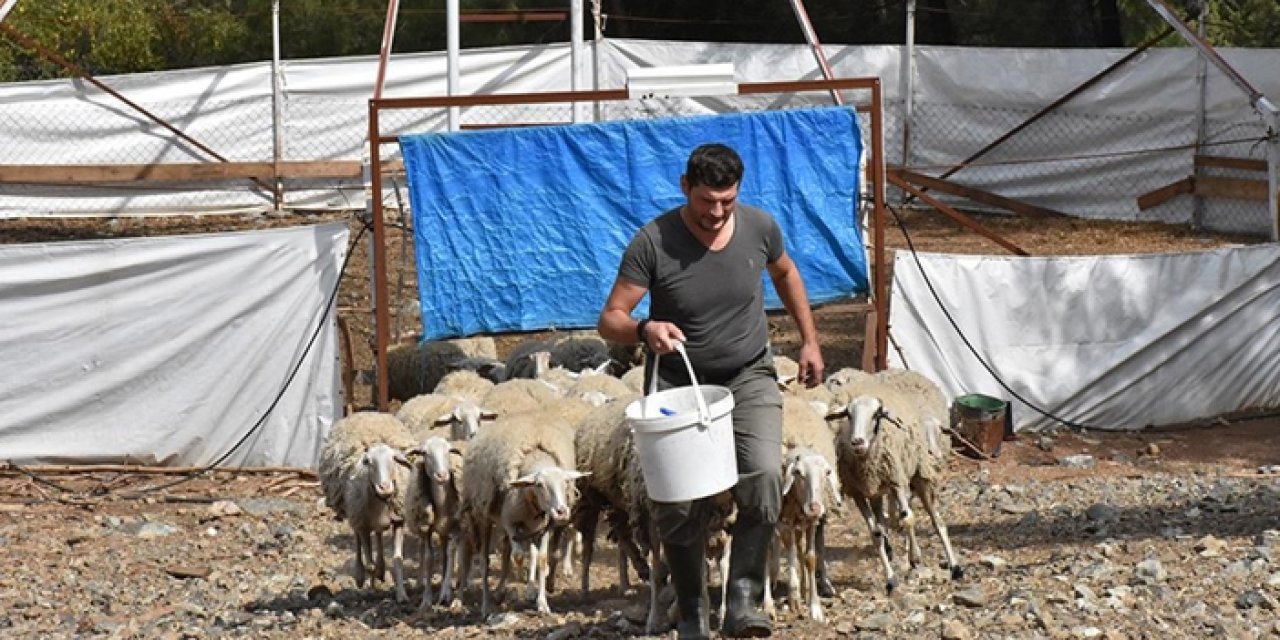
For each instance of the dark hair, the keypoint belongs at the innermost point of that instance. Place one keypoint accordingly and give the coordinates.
(714, 165)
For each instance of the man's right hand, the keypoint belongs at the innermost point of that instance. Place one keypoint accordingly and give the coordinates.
(661, 337)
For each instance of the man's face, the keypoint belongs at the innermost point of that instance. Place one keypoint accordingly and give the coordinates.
(709, 207)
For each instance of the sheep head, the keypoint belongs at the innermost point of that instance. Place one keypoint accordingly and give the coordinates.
(865, 415)
(380, 461)
(550, 490)
(813, 480)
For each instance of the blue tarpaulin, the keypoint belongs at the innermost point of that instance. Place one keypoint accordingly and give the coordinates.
(522, 229)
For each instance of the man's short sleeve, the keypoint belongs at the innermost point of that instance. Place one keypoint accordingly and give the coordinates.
(639, 261)
(774, 248)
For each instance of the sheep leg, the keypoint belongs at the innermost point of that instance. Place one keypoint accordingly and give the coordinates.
(794, 588)
(380, 559)
(879, 539)
(657, 580)
(485, 535)
(811, 572)
(448, 556)
(397, 563)
(930, 502)
(587, 520)
(542, 569)
(723, 570)
(902, 495)
(534, 557)
(774, 567)
(362, 548)
(425, 561)
(506, 550)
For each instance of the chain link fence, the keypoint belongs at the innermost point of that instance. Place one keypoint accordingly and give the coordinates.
(1091, 157)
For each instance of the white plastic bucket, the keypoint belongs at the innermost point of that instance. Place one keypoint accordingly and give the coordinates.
(684, 439)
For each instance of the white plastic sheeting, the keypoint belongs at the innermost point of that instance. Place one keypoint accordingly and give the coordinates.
(1107, 342)
(168, 351)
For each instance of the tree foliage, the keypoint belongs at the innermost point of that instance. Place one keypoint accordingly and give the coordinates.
(124, 36)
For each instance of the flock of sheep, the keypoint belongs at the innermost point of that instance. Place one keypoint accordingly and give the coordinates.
(522, 458)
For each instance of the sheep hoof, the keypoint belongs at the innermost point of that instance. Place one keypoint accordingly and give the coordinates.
(890, 586)
(957, 572)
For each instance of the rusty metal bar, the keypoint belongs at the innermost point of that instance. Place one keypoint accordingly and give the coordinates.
(53, 57)
(811, 36)
(381, 318)
(384, 52)
(878, 272)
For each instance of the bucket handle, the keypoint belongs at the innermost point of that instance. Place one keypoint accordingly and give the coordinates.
(704, 416)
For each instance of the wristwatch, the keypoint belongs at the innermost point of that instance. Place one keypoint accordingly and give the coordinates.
(640, 329)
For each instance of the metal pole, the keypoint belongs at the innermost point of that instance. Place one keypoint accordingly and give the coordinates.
(575, 51)
(1202, 81)
(597, 21)
(6, 8)
(453, 20)
(879, 274)
(1273, 171)
(277, 151)
(381, 324)
(384, 52)
(907, 75)
(811, 37)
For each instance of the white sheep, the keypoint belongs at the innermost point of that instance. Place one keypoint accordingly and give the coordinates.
(634, 379)
(435, 414)
(518, 475)
(464, 384)
(590, 383)
(363, 474)
(604, 445)
(520, 395)
(431, 509)
(810, 488)
(884, 451)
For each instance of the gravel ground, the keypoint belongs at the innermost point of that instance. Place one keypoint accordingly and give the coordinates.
(1169, 535)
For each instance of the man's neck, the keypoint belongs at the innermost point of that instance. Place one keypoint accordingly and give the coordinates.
(713, 240)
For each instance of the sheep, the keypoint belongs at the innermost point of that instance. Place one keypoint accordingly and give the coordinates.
(580, 351)
(518, 475)
(525, 360)
(360, 472)
(809, 480)
(431, 509)
(416, 369)
(604, 446)
(431, 413)
(786, 368)
(520, 395)
(491, 369)
(464, 384)
(591, 382)
(883, 450)
(634, 379)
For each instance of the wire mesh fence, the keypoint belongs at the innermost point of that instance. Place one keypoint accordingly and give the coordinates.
(1092, 158)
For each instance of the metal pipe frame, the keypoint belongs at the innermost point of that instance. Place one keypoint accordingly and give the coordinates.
(875, 108)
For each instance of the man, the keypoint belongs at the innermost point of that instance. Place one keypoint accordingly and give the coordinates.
(702, 263)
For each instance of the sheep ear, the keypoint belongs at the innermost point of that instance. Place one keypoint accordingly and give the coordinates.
(783, 381)
(414, 452)
(838, 411)
(455, 451)
(444, 419)
(486, 414)
(403, 461)
(523, 481)
(574, 475)
(790, 478)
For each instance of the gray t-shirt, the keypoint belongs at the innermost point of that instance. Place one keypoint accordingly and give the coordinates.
(715, 297)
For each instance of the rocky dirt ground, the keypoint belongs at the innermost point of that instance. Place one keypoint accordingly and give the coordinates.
(1158, 534)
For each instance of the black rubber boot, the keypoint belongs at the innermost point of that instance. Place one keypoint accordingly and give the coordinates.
(745, 588)
(688, 567)
(825, 588)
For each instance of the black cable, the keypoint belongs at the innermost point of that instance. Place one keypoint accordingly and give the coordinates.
(285, 387)
(973, 350)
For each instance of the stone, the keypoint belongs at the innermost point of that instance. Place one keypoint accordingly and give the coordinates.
(955, 630)
(876, 622)
(1099, 512)
(1210, 547)
(1151, 570)
(1079, 461)
(995, 563)
(973, 597)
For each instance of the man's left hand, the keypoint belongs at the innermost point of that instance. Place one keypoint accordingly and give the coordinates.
(811, 366)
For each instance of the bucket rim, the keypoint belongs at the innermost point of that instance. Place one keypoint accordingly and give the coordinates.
(981, 402)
